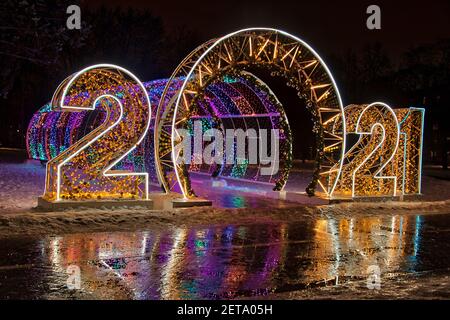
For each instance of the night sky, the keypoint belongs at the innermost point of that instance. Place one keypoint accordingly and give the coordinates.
(331, 27)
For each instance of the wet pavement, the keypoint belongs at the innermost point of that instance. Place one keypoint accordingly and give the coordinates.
(260, 259)
(224, 262)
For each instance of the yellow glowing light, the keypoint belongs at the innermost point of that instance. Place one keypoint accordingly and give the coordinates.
(85, 170)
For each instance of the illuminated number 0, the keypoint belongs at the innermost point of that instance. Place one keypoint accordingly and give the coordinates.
(86, 169)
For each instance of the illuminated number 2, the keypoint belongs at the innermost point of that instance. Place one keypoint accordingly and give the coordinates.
(86, 169)
(375, 174)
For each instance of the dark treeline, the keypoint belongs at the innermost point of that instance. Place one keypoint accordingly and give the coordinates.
(37, 51)
(420, 79)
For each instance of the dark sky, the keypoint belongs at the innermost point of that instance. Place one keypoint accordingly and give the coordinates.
(328, 26)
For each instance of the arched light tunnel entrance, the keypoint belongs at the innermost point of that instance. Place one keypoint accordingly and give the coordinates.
(231, 57)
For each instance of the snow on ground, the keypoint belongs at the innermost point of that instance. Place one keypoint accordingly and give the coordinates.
(20, 185)
(22, 181)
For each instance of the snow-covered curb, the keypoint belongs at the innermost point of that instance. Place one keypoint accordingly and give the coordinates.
(21, 182)
(29, 223)
(388, 207)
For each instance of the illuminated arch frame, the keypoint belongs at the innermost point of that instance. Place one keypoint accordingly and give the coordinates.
(58, 100)
(205, 50)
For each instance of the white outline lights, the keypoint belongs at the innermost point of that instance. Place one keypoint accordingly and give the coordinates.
(412, 122)
(378, 146)
(59, 101)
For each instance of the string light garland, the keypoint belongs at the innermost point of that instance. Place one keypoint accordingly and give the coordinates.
(57, 130)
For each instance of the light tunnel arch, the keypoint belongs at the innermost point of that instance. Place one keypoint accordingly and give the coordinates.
(293, 58)
(242, 102)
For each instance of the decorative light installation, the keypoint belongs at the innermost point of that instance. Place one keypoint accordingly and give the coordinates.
(86, 170)
(103, 142)
(385, 160)
(284, 55)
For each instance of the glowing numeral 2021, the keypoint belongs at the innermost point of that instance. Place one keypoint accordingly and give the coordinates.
(86, 169)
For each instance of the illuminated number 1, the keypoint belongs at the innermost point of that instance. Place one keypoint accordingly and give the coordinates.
(86, 169)
(409, 155)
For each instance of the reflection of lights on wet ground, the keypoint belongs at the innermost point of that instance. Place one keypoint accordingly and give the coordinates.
(169, 279)
(54, 251)
(235, 193)
(144, 243)
(416, 243)
(231, 201)
(387, 246)
(242, 232)
(236, 201)
(201, 241)
(200, 234)
(334, 272)
(243, 260)
(400, 233)
(228, 233)
(417, 235)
